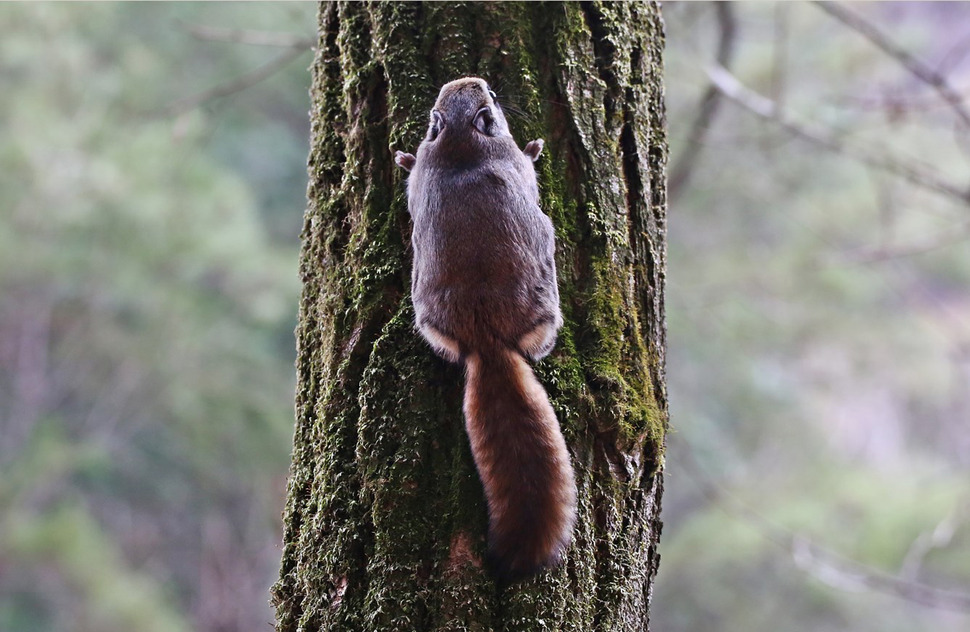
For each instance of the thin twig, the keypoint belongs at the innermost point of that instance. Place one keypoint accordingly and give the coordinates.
(681, 170)
(246, 36)
(824, 564)
(938, 538)
(899, 102)
(917, 68)
(885, 253)
(768, 109)
(236, 85)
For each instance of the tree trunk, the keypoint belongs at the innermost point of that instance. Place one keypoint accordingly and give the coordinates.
(385, 519)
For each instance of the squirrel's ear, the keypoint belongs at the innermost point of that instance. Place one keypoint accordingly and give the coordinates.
(533, 149)
(405, 161)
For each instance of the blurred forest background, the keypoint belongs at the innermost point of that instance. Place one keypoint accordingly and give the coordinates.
(152, 182)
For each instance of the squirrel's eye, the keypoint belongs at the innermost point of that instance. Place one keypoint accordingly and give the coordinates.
(492, 94)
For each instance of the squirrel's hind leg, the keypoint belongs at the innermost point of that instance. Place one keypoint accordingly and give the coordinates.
(443, 345)
(539, 341)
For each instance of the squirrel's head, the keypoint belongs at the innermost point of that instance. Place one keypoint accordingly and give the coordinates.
(467, 107)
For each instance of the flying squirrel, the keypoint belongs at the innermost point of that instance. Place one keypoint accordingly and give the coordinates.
(485, 295)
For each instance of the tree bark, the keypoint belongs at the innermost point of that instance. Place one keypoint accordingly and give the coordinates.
(385, 519)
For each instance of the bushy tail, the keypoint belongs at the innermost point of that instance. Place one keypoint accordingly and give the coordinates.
(522, 461)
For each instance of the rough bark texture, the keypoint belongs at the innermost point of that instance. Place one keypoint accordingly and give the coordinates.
(385, 520)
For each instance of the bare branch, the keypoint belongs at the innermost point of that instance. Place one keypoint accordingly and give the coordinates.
(917, 68)
(245, 36)
(840, 572)
(885, 253)
(680, 172)
(768, 109)
(898, 102)
(237, 85)
(938, 538)
(824, 564)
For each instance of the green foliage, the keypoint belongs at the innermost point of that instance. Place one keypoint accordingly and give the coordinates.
(147, 302)
(818, 378)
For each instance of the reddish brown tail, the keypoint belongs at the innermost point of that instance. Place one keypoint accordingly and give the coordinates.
(522, 461)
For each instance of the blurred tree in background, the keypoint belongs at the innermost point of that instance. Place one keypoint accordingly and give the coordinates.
(147, 301)
(819, 319)
(819, 325)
